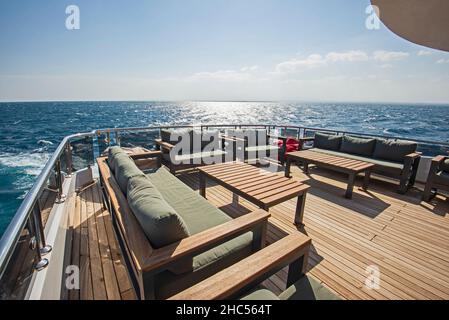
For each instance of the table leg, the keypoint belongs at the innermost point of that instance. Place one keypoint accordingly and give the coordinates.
(366, 179)
(351, 181)
(288, 167)
(202, 179)
(306, 167)
(235, 199)
(299, 214)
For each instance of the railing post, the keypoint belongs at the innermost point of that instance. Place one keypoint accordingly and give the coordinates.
(61, 196)
(68, 159)
(117, 137)
(41, 263)
(43, 247)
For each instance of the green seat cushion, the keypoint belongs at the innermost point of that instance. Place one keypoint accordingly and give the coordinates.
(359, 146)
(444, 166)
(160, 222)
(169, 283)
(125, 168)
(393, 150)
(112, 152)
(308, 288)
(327, 141)
(394, 167)
(199, 215)
(262, 294)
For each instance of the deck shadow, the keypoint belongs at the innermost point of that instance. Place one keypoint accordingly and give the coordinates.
(367, 204)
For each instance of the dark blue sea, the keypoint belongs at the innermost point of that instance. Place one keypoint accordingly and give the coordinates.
(31, 131)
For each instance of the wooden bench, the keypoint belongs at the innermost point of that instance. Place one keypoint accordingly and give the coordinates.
(340, 164)
(261, 187)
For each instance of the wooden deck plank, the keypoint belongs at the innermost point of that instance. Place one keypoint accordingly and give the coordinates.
(103, 274)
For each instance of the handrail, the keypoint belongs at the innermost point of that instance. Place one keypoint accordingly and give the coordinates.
(9, 239)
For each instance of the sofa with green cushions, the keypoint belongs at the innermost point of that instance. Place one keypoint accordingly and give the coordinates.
(393, 158)
(172, 237)
(186, 147)
(438, 177)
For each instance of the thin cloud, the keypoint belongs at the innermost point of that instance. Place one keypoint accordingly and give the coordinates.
(387, 56)
(422, 53)
(443, 61)
(295, 65)
(350, 56)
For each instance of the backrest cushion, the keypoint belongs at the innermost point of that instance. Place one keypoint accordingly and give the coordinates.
(327, 141)
(209, 138)
(174, 137)
(112, 152)
(160, 222)
(359, 146)
(444, 166)
(125, 168)
(393, 150)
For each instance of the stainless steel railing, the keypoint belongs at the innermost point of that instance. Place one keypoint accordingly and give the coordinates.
(28, 216)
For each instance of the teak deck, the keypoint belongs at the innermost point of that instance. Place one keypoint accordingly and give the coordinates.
(405, 239)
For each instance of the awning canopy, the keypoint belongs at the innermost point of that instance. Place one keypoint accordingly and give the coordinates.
(424, 22)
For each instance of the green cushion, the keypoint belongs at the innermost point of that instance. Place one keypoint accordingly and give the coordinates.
(175, 136)
(444, 166)
(393, 150)
(327, 141)
(160, 222)
(209, 139)
(390, 166)
(308, 288)
(169, 283)
(125, 168)
(199, 215)
(112, 152)
(359, 146)
(262, 294)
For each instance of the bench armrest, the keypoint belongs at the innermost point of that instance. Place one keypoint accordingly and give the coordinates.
(414, 155)
(438, 159)
(164, 145)
(259, 266)
(203, 241)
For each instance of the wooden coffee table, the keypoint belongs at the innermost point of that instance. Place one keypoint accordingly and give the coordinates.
(261, 187)
(340, 164)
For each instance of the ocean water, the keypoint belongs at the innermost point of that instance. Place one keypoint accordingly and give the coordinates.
(29, 132)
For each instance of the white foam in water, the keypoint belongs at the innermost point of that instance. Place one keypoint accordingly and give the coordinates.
(32, 163)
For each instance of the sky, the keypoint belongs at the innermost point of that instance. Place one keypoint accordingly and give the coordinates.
(215, 50)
